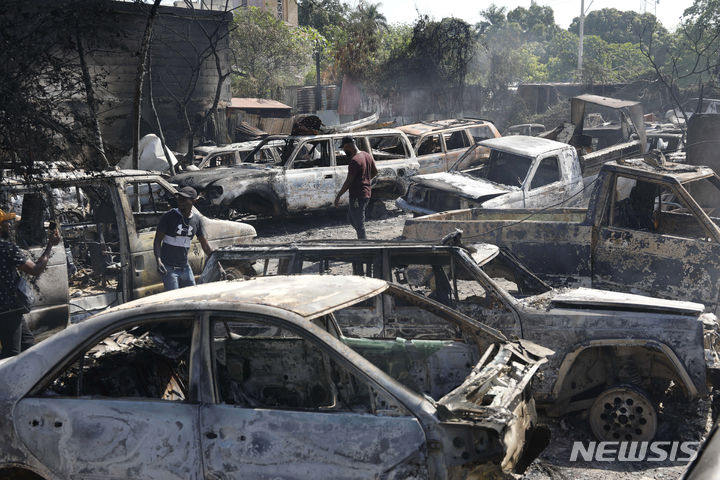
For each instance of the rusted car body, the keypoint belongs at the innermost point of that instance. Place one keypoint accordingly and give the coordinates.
(106, 227)
(529, 129)
(521, 172)
(254, 380)
(233, 154)
(605, 343)
(648, 230)
(309, 173)
(439, 143)
(602, 129)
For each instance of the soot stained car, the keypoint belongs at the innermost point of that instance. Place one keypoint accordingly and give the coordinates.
(254, 380)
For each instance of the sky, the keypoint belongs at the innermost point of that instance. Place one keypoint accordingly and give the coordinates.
(405, 11)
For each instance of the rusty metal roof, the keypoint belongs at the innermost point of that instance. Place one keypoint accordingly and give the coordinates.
(309, 296)
(257, 103)
(606, 101)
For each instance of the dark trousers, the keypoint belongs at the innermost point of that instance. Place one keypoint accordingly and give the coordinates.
(356, 215)
(15, 335)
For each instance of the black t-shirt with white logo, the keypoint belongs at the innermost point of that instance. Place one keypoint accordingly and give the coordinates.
(10, 258)
(179, 232)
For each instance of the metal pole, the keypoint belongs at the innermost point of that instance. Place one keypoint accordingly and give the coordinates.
(318, 87)
(580, 41)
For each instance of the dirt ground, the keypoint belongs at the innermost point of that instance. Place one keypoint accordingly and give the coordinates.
(678, 422)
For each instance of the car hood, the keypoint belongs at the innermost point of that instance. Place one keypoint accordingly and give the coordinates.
(603, 299)
(495, 384)
(463, 185)
(202, 178)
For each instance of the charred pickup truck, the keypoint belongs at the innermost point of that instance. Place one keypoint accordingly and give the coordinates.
(520, 172)
(108, 231)
(439, 143)
(251, 380)
(305, 175)
(602, 129)
(648, 230)
(606, 344)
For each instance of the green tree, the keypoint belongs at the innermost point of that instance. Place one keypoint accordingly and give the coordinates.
(614, 26)
(537, 22)
(436, 56)
(322, 14)
(269, 54)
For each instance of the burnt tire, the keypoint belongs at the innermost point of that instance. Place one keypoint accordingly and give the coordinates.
(236, 272)
(623, 413)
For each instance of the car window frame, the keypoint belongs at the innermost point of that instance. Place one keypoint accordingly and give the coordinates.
(307, 335)
(95, 337)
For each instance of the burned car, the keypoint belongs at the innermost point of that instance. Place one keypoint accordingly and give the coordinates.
(520, 172)
(306, 177)
(439, 143)
(107, 221)
(607, 345)
(254, 379)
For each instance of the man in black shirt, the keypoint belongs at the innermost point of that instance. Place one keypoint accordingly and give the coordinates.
(15, 335)
(172, 241)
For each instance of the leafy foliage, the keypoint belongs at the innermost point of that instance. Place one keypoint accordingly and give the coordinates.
(269, 54)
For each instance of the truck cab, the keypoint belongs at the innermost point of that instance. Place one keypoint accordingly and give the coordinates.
(521, 172)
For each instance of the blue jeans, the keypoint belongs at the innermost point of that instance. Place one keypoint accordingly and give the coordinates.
(14, 334)
(178, 277)
(356, 215)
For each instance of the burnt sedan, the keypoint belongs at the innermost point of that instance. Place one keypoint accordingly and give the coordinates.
(255, 380)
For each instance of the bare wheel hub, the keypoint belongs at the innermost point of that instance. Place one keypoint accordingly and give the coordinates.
(623, 413)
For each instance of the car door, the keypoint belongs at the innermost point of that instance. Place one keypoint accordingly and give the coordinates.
(34, 208)
(455, 144)
(430, 155)
(638, 249)
(287, 409)
(310, 177)
(544, 186)
(155, 198)
(120, 408)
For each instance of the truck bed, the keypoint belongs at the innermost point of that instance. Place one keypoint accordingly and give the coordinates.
(556, 242)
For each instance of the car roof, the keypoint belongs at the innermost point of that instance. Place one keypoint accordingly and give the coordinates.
(440, 125)
(671, 171)
(309, 296)
(523, 145)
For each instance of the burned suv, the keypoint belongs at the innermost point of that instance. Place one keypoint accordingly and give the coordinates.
(303, 174)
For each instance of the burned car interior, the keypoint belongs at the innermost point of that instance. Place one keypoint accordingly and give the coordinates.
(654, 207)
(261, 363)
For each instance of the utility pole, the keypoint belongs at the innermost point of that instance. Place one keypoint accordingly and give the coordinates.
(318, 86)
(580, 42)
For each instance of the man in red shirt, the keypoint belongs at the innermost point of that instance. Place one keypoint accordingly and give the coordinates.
(361, 171)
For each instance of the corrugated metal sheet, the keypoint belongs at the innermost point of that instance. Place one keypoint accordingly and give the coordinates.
(257, 103)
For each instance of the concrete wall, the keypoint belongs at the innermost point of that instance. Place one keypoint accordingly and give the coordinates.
(179, 40)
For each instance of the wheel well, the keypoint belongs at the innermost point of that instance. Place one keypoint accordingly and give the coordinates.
(19, 473)
(259, 203)
(593, 369)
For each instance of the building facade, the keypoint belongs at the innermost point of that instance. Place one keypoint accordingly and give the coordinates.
(286, 10)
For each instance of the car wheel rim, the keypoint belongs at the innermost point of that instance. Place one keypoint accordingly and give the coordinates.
(623, 413)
